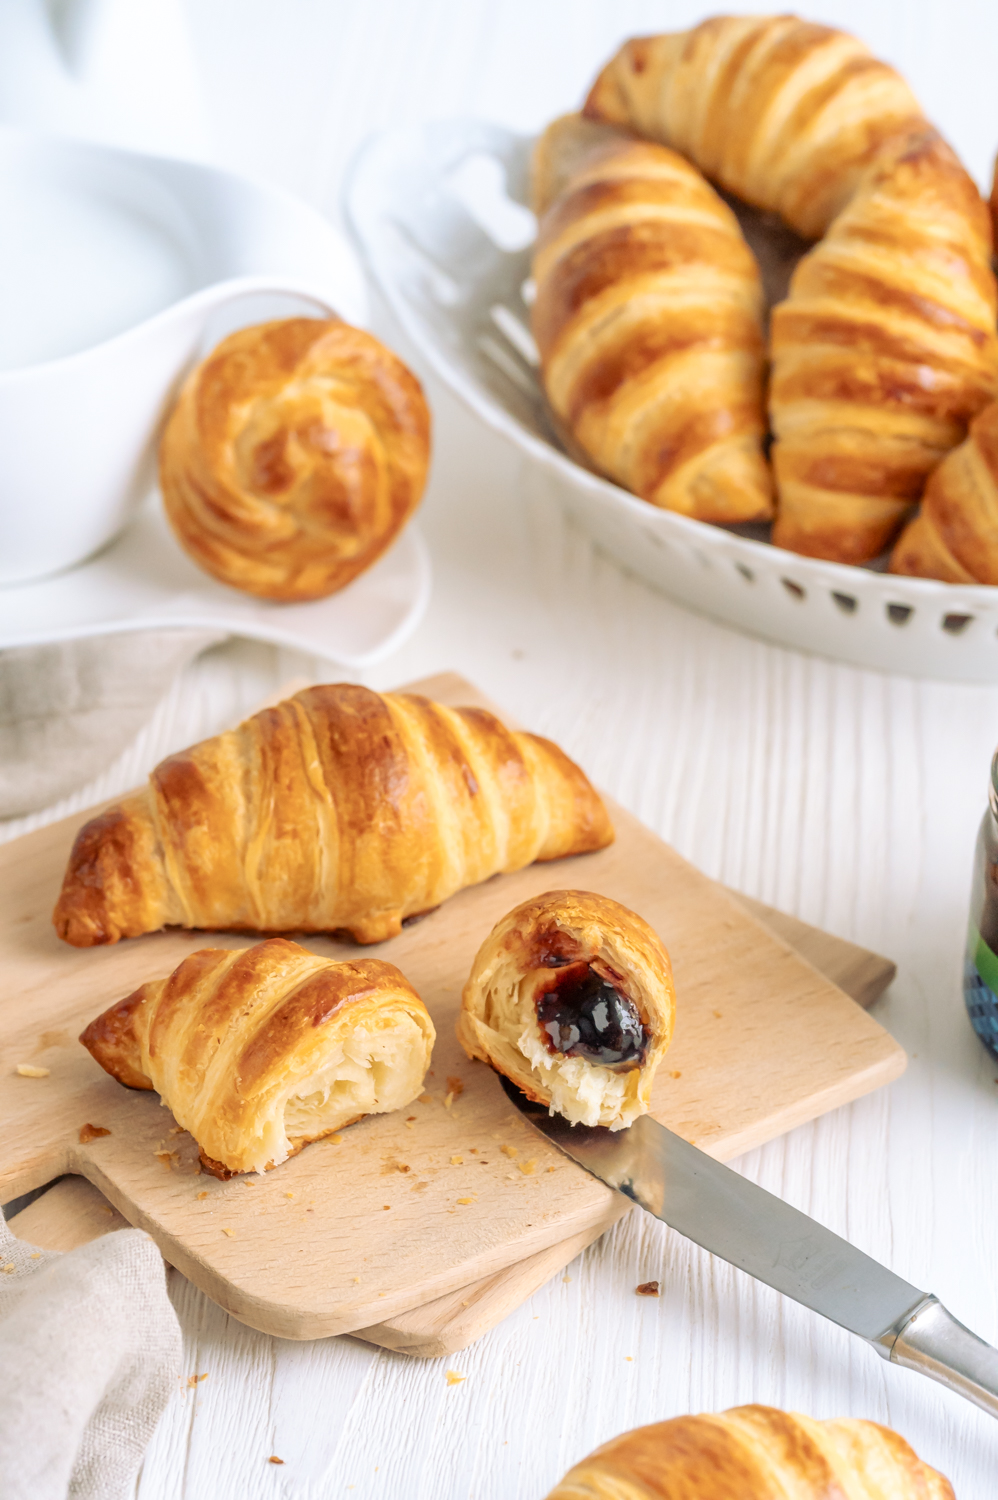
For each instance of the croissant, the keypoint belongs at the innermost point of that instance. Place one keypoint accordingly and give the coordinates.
(883, 353)
(754, 1453)
(571, 997)
(295, 454)
(885, 348)
(648, 321)
(258, 1051)
(955, 534)
(781, 112)
(339, 809)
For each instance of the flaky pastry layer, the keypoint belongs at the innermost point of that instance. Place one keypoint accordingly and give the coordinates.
(499, 1023)
(258, 1051)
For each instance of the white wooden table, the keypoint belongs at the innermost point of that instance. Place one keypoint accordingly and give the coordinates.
(848, 798)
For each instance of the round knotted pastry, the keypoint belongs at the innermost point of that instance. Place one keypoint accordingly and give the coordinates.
(295, 454)
(571, 998)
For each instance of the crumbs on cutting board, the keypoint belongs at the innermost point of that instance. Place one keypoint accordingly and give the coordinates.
(647, 1289)
(92, 1133)
(28, 1070)
(453, 1378)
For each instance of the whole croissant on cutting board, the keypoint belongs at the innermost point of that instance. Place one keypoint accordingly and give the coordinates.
(648, 321)
(259, 1051)
(754, 1453)
(885, 347)
(297, 451)
(338, 809)
(571, 998)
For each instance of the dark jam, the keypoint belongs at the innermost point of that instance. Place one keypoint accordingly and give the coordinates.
(581, 1014)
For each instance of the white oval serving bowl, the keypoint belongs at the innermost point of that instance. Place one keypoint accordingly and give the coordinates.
(452, 258)
(86, 377)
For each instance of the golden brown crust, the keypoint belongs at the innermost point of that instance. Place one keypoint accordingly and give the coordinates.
(297, 451)
(885, 348)
(340, 809)
(752, 1453)
(648, 319)
(883, 353)
(241, 1044)
(513, 969)
(955, 535)
(783, 113)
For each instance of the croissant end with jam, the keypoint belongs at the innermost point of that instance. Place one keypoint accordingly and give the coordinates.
(571, 998)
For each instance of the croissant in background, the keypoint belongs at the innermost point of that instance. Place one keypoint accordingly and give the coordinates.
(571, 998)
(339, 809)
(296, 453)
(754, 1453)
(648, 321)
(885, 348)
(258, 1051)
(955, 534)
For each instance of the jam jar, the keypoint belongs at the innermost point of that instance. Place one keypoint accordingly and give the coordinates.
(980, 969)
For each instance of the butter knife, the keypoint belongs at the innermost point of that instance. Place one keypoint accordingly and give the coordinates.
(717, 1208)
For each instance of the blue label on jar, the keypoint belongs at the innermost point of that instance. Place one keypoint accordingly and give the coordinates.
(980, 982)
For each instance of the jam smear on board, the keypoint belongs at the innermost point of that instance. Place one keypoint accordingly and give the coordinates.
(581, 1014)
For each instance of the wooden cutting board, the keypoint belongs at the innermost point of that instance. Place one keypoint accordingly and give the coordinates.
(73, 1212)
(413, 1207)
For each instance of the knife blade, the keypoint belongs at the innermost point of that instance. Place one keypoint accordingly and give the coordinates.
(733, 1218)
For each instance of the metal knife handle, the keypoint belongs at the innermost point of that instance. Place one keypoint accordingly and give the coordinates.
(932, 1341)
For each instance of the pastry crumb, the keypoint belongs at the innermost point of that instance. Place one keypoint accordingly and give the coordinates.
(193, 1380)
(675, 1074)
(403, 1166)
(28, 1070)
(528, 1168)
(426, 1099)
(409, 1125)
(273, 1459)
(566, 1279)
(336, 1138)
(248, 1181)
(229, 1232)
(455, 1086)
(91, 1133)
(289, 1195)
(202, 1195)
(629, 1359)
(717, 1014)
(9, 1269)
(409, 1118)
(386, 1207)
(551, 1169)
(509, 1150)
(178, 1130)
(453, 1378)
(457, 1161)
(647, 1289)
(472, 1199)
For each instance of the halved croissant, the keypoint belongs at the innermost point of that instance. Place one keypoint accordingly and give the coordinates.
(754, 1453)
(297, 451)
(258, 1051)
(955, 534)
(648, 320)
(885, 348)
(338, 809)
(571, 997)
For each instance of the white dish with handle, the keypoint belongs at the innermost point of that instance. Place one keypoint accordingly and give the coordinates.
(439, 212)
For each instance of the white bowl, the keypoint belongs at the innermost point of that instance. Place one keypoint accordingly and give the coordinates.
(113, 267)
(439, 213)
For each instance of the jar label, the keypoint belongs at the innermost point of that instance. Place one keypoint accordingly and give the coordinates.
(985, 961)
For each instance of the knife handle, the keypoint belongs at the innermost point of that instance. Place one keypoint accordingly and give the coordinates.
(932, 1341)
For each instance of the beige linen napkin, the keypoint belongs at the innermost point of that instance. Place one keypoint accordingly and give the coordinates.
(67, 709)
(91, 1351)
